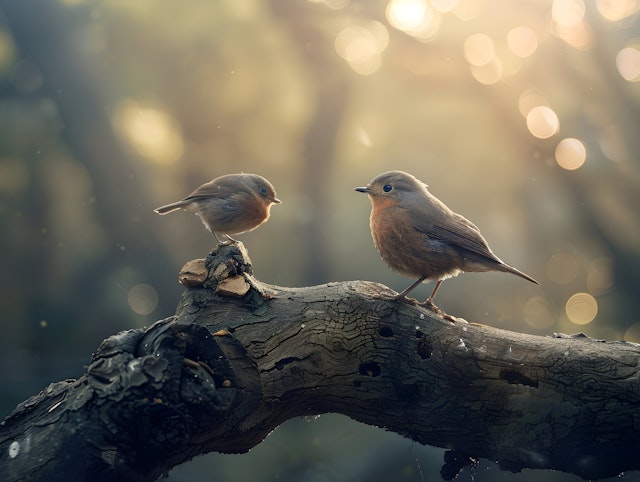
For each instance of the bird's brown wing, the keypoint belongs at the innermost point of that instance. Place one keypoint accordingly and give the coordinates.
(214, 189)
(460, 232)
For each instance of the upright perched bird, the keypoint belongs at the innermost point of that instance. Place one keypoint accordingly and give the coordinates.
(418, 236)
(230, 204)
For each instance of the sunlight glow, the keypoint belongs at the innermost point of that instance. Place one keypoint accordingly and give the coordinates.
(522, 41)
(363, 137)
(489, 73)
(568, 12)
(529, 99)
(414, 17)
(361, 47)
(614, 10)
(407, 15)
(570, 154)
(153, 133)
(443, 6)
(336, 4)
(628, 63)
(581, 308)
(542, 122)
(479, 49)
(467, 10)
(579, 36)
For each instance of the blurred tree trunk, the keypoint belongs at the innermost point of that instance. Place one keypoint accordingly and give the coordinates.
(240, 357)
(48, 35)
(332, 87)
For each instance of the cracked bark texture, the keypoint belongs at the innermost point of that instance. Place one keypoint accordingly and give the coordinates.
(240, 357)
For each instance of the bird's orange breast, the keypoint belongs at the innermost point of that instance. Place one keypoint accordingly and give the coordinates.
(406, 249)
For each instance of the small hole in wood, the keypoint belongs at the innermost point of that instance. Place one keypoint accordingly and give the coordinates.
(424, 348)
(280, 364)
(370, 369)
(385, 331)
(514, 377)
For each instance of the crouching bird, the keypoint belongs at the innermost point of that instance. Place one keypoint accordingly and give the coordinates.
(230, 204)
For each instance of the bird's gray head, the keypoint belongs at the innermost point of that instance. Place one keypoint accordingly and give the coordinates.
(263, 187)
(392, 184)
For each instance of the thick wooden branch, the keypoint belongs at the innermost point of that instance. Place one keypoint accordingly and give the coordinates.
(240, 357)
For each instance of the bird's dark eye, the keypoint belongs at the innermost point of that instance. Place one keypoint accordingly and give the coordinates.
(263, 190)
(387, 187)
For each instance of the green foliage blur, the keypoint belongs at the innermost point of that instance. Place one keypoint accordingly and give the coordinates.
(523, 116)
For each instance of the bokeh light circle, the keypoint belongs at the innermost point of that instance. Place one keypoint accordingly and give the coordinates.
(570, 154)
(479, 49)
(489, 73)
(628, 64)
(143, 299)
(529, 99)
(615, 10)
(361, 46)
(562, 268)
(568, 12)
(581, 308)
(408, 15)
(542, 122)
(538, 313)
(522, 41)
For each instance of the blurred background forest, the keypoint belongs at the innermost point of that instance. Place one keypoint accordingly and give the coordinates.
(524, 116)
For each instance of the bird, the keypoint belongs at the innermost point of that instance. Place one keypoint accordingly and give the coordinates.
(230, 204)
(418, 236)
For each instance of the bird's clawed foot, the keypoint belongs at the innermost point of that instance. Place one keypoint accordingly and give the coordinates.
(430, 305)
(438, 311)
(225, 242)
(230, 239)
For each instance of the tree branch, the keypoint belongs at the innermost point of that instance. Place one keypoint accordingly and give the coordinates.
(241, 357)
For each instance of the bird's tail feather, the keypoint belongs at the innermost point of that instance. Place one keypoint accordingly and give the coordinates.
(510, 269)
(169, 208)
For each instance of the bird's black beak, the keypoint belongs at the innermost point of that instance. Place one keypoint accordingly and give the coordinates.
(362, 189)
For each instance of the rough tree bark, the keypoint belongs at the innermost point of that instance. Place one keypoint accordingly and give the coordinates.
(240, 357)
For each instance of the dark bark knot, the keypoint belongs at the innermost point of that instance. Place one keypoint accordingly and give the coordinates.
(514, 377)
(424, 348)
(371, 369)
(169, 367)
